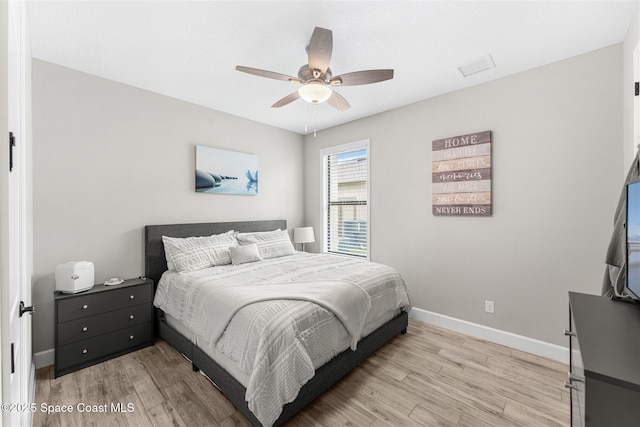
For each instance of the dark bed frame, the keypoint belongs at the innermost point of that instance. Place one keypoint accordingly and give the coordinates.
(325, 377)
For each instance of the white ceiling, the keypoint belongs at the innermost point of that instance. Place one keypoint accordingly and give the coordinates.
(189, 49)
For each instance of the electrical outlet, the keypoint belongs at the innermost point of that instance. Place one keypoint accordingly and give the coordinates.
(488, 306)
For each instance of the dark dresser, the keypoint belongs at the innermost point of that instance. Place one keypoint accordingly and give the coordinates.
(102, 323)
(605, 361)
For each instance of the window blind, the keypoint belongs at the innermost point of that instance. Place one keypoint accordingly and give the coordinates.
(347, 202)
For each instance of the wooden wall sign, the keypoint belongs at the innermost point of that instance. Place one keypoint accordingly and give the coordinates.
(461, 175)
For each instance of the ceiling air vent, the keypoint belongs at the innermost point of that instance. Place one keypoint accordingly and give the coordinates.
(473, 67)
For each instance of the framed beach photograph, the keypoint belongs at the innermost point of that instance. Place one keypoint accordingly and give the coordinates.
(225, 172)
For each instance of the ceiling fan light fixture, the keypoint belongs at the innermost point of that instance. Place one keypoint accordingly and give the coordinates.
(314, 93)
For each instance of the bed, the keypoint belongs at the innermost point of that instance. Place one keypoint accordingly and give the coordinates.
(183, 333)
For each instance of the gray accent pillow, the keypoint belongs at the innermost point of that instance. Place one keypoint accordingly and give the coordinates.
(244, 254)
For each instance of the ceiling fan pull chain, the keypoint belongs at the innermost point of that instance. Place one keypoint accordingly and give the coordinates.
(315, 121)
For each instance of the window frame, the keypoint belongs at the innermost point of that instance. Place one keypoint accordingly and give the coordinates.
(337, 149)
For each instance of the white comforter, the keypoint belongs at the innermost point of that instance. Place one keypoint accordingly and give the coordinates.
(278, 343)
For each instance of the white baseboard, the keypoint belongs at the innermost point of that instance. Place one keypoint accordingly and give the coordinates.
(44, 358)
(530, 345)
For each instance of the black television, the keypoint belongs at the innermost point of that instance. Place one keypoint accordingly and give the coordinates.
(632, 286)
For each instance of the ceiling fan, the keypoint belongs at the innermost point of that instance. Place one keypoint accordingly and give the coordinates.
(316, 77)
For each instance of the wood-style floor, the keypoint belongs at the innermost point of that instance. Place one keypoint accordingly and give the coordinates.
(428, 377)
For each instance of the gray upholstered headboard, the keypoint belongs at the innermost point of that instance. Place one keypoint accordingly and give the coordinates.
(155, 262)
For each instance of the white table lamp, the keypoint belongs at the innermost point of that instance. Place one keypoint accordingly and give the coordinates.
(303, 235)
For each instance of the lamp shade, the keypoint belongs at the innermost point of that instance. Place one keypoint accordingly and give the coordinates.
(303, 235)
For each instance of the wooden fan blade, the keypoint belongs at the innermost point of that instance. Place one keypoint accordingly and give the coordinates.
(268, 74)
(319, 50)
(362, 77)
(338, 102)
(286, 100)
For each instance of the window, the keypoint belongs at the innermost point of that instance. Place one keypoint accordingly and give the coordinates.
(346, 199)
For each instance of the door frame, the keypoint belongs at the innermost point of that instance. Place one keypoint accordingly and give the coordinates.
(15, 249)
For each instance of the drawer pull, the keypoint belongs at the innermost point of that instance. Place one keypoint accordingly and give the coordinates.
(84, 329)
(84, 307)
(131, 296)
(569, 333)
(130, 337)
(131, 317)
(84, 351)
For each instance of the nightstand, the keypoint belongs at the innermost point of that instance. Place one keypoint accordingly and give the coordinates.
(102, 323)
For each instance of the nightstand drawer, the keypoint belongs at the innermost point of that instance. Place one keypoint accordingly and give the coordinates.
(97, 303)
(87, 327)
(102, 346)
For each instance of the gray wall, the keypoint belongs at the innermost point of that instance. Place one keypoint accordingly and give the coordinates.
(557, 162)
(631, 103)
(109, 159)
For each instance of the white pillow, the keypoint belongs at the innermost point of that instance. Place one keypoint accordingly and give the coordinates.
(195, 253)
(244, 254)
(271, 244)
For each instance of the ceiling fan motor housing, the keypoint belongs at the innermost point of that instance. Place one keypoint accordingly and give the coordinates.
(305, 75)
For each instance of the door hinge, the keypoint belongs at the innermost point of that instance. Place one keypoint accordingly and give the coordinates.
(12, 143)
(637, 84)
